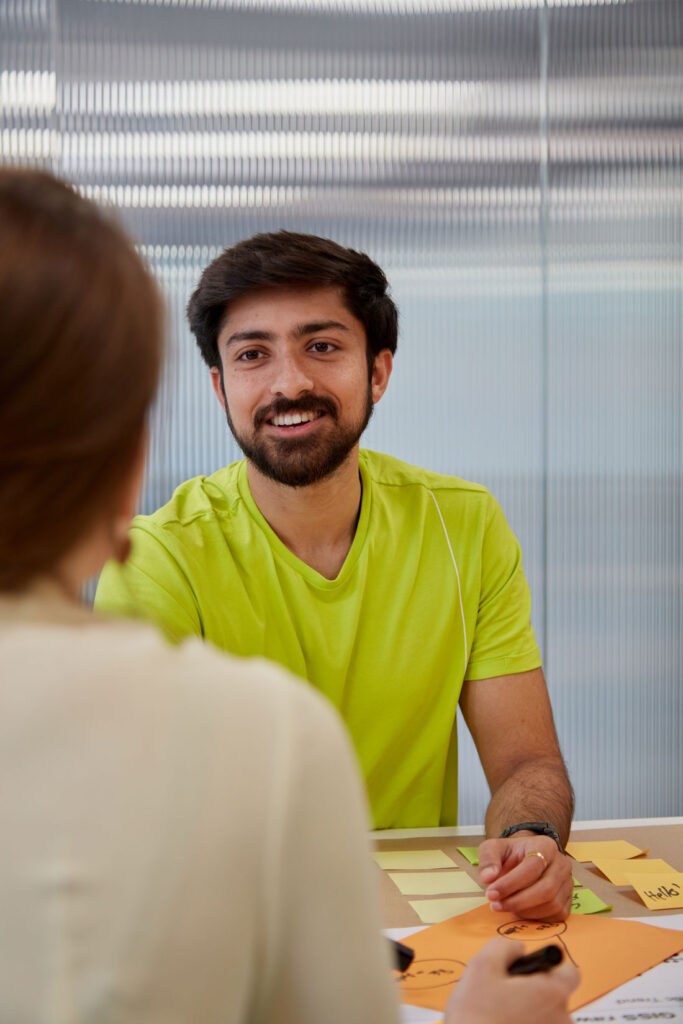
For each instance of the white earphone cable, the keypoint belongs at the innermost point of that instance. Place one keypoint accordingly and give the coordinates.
(457, 574)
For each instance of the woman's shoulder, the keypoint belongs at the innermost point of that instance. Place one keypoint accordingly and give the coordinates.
(45, 641)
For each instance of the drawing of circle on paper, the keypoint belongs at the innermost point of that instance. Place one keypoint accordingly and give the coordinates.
(537, 931)
(532, 931)
(423, 975)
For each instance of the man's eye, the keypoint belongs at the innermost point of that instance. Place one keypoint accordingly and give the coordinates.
(250, 356)
(322, 346)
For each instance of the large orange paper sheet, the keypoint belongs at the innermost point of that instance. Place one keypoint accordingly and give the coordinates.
(608, 952)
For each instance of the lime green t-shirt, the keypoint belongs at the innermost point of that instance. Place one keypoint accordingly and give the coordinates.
(432, 593)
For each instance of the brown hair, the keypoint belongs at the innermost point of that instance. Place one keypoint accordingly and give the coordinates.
(285, 259)
(80, 346)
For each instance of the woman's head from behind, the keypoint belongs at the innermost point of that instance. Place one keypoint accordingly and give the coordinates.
(80, 348)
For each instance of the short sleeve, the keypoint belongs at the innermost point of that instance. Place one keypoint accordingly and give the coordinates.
(504, 641)
(150, 586)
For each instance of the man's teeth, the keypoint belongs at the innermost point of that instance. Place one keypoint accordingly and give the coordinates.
(291, 419)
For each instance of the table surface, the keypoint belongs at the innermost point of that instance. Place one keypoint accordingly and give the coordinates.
(663, 837)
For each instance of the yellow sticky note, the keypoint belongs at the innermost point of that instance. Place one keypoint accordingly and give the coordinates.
(614, 849)
(413, 860)
(433, 883)
(435, 911)
(660, 891)
(618, 871)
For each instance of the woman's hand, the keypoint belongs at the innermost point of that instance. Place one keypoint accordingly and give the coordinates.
(487, 994)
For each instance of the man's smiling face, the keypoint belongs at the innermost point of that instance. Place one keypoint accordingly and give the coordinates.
(295, 385)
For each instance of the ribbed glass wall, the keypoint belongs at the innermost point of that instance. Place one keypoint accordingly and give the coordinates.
(516, 169)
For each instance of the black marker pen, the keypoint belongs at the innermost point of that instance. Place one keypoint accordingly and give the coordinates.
(403, 955)
(541, 960)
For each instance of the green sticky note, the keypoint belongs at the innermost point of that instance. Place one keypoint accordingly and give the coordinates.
(470, 853)
(586, 902)
(577, 883)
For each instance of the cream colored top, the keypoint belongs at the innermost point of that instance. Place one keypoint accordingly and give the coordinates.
(182, 835)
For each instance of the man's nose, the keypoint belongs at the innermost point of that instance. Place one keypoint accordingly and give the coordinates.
(290, 378)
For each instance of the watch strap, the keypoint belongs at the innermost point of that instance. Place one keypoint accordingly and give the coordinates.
(541, 828)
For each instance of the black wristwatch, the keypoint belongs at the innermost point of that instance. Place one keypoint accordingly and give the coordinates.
(541, 828)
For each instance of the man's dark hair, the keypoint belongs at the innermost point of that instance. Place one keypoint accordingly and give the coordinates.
(285, 259)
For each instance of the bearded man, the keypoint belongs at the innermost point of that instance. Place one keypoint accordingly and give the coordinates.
(395, 591)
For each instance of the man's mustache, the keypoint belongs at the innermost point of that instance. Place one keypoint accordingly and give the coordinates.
(284, 406)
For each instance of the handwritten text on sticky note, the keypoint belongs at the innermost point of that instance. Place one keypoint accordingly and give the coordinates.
(586, 902)
(661, 891)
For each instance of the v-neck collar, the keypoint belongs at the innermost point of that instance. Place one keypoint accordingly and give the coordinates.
(313, 577)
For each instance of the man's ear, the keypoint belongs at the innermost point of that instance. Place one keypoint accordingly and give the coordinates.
(381, 372)
(217, 382)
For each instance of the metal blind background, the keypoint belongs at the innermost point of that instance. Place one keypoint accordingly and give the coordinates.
(516, 168)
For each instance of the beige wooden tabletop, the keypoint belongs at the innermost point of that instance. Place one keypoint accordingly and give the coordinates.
(663, 837)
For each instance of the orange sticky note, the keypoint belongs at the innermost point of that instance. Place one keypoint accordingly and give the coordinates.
(659, 891)
(615, 849)
(617, 870)
(607, 951)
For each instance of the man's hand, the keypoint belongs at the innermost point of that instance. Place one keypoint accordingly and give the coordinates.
(527, 875)
(528, 782)
(487, 994)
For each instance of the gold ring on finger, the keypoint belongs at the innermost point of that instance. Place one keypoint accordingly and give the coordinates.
(537, 853)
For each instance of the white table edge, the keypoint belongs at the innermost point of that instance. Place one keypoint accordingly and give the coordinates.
(478, 830)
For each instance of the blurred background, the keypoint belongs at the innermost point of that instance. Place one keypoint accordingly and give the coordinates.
(515, 167)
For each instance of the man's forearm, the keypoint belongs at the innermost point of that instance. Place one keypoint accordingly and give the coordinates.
(536, 791)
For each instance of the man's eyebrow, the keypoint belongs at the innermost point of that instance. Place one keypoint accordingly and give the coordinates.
(300, 331)
(319, 325)
(249, 336)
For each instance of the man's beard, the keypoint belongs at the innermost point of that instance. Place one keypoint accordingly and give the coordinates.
(300, 461)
